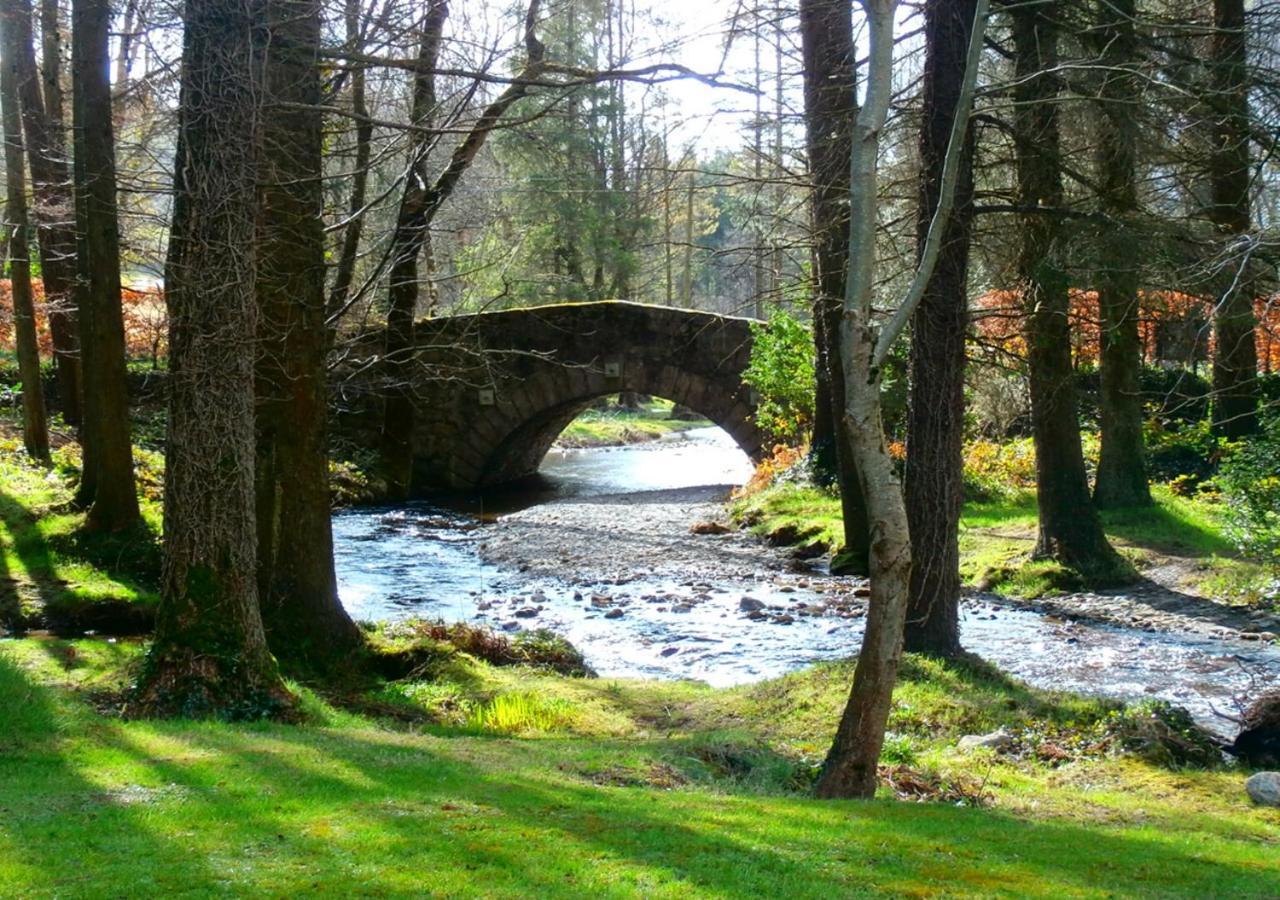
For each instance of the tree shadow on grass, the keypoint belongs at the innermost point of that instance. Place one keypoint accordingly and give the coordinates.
(63, 813)
(282, 810)
(131, 559)
(1164, 530)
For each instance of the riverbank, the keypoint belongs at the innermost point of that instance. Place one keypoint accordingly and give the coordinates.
(614, 427)
(1190, 579)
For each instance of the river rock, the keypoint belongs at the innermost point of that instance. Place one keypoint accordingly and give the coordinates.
(1263, 788)
(614, 613)
(710, 527)
(997, 740)
(601, 601)
(527, 613)
(1259, 741)
(669, 651)
(750, 604)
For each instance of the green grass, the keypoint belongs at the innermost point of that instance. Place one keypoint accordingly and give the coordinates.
(647, 789)
(47, 562)
(793, 514)
(606, 428)
(996, 539)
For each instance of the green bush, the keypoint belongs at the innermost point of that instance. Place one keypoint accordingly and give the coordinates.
(782, 373)
(1186, 452)
(1249, 478)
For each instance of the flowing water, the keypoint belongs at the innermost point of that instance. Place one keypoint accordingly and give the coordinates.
(643, 600)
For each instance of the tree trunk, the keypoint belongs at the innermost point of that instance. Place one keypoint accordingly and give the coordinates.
(850, 767)
(1235, 360)
(1070, 531)
(297, 587)
(1122, 471)
(830, 108)
(106, 441)
(54, 211)
(210, 656)
(935, 426)
(344, 274)
(35, 426)
(412, 224)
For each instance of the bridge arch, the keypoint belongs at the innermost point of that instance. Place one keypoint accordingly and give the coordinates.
(494, 390)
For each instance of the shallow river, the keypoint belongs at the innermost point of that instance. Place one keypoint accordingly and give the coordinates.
(611, 565)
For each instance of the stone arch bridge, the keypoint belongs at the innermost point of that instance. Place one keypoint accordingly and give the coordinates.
(495, 389)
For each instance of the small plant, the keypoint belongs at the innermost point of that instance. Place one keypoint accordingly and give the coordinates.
(523, 712)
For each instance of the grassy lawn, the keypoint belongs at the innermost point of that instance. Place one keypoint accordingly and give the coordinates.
(609, 428)
(637, 788)
(997, 536)
(45, 560)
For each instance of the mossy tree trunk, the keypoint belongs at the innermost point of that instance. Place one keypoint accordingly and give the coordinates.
(210, 655)
(297, 588)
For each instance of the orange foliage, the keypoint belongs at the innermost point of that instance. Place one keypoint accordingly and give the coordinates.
(999, 319)
(767, 469)
(146, 325)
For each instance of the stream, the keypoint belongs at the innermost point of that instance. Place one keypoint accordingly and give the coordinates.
(598, 548)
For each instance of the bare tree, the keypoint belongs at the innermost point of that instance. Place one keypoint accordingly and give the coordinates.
(1122, 471)
(830, 108)
(54, 210)
(850, 766)
(1070, 530)
(1235, 358)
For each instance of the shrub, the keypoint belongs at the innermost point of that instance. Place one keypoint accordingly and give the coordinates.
(1250, 481)
(782, 372)
(1185, 453)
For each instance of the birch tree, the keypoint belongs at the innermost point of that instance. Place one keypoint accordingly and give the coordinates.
(850, 767)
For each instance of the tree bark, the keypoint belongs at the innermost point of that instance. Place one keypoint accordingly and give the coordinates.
(1070, 531)
(1122, 471)
(210, 655)
(935, 425)
(297, 587)
(114, 502)
(54, 209)
(1235, 359)
(407, 241)
(35, 426)
(826, 31)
